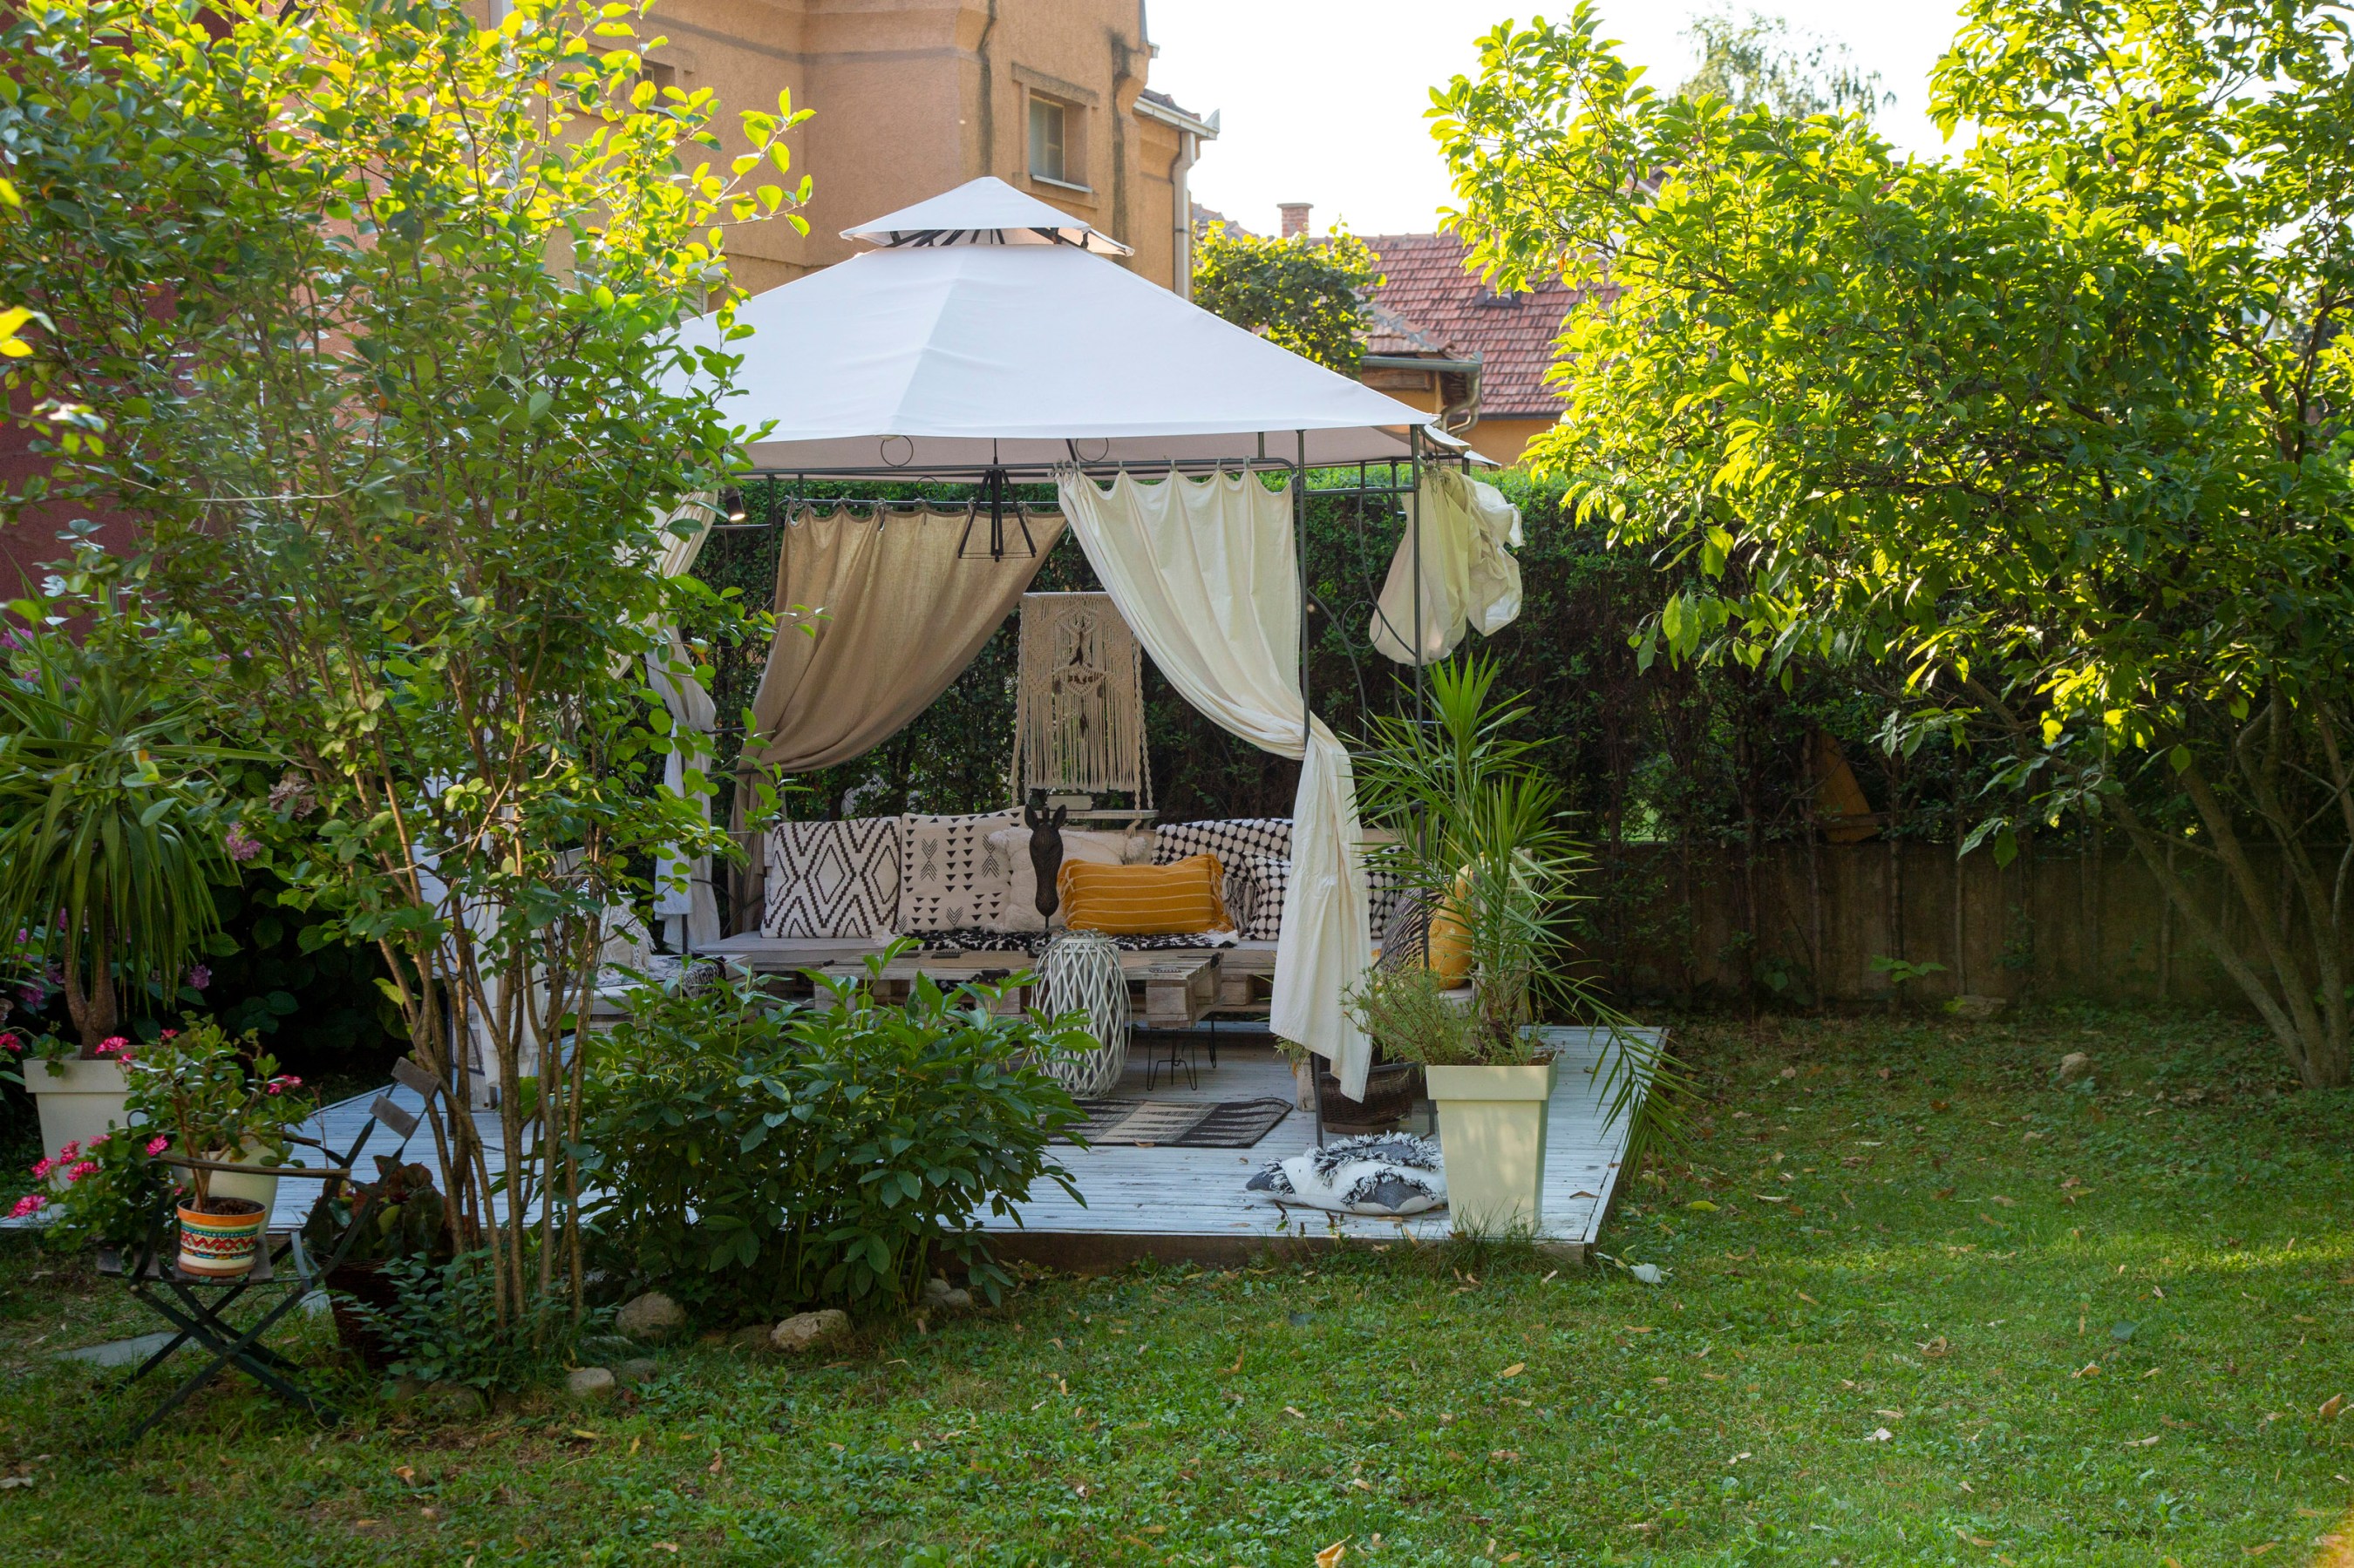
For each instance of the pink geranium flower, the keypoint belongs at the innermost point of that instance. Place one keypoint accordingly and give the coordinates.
(41, 1169)
(70, 1151)
(159, 1144)
(30, 1203)
(112, 1045)
(11, 1043)
(81, 1168)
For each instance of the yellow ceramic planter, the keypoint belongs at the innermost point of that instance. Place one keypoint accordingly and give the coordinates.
(1491, 1130)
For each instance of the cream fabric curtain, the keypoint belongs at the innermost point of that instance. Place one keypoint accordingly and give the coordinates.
(1468, 575)
(684, 899)
(874, 618)
(1205, 573)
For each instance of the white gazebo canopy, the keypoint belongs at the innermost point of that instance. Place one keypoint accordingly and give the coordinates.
(987, 330)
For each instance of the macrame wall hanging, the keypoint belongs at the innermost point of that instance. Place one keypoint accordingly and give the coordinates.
(1079, 717)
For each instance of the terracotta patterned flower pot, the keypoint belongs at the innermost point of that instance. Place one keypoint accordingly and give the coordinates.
(221, 1245)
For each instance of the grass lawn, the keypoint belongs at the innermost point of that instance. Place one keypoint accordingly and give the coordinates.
(1942, 1311)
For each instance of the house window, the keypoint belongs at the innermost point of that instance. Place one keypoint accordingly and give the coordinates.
(1047, 119)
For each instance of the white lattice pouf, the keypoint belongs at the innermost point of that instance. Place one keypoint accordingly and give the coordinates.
(1078, 971)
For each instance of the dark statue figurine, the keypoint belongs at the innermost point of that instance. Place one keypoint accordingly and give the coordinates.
(1046, 847)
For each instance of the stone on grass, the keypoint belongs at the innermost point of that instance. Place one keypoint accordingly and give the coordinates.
(649, 1316)
(752, 1337)
(456, 1401)
(804, 1329)
(589, 1383)
(637, 1370)
(938, 1292)
(2076, 1065)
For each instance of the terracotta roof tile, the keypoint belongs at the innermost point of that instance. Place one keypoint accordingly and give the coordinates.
(1430, 303)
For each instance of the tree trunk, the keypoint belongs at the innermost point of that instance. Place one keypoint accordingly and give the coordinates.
(2300, 995)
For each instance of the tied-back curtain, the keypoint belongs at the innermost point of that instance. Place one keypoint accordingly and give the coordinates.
(875, 616)
(1205, 573)
(1468, 575)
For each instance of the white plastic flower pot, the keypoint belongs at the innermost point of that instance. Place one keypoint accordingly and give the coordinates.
(1491, 1130)
(78, 1100)
(263, 1190)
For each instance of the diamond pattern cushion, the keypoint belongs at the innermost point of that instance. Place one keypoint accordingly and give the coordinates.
(1269, 876)
(1233, 840)
(833, 879)
(952, 878)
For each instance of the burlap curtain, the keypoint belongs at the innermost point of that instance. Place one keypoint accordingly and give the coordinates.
(874, 618)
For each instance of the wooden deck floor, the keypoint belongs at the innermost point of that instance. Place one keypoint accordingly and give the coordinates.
(1189, 1202)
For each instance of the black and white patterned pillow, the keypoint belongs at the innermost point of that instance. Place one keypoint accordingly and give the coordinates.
(951, 877)
(1383, 892)
(833, 879)
(1233, 840)
(1270, 877)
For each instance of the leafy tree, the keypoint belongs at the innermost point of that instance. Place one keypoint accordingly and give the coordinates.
(1761, 61)
(2047, 429)
(1308, 295)
(370, 316)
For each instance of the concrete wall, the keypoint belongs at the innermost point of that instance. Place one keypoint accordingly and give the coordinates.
(2059, 926)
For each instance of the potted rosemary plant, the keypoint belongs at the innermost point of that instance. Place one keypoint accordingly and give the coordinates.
(1481, 843)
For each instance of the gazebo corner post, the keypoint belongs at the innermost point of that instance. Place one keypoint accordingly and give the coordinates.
(1300, 564)
(1414, 527)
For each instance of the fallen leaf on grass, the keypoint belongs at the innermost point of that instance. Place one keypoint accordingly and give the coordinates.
(1980, 1541)
(2090, 1368)
(1508, 1456)
(2258, 1551)
(2006, 1203)
(1770, 1197)
(1880, 1435)
(1702, 1205)
(1935, 1348)
(7, 1482)
(1515, 1370)
(1288, 1410)
(1229, 1372)
(2142, 1442)
(1809, 1299)
(2331, 1408)
(1331, 1556)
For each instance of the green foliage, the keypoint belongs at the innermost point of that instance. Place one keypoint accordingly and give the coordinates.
(220, 1096)
(2041, 431)
(405, 442)
(1482, 838)
(113, 1193)
(1759, 61)
(1306, 295)
(405, 1217)
(445, 1326)
(111, 825)
(759, 1156)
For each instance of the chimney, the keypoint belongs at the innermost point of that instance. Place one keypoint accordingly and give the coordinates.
(1295, 217)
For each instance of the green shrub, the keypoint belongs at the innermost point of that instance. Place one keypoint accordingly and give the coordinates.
(751, 1155)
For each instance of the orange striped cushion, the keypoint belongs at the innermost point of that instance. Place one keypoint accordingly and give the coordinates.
(1182, 898)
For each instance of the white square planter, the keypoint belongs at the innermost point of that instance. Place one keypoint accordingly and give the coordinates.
(1492, 1129)
(77, 1099)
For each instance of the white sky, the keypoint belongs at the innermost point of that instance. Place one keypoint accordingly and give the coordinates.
(1323, 98)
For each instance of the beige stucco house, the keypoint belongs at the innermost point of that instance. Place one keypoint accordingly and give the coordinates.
(912, 97)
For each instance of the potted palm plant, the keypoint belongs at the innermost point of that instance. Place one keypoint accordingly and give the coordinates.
(110, 840)
(1482, 840)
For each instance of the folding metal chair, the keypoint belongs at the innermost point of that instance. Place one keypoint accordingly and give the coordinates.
(198, 1306)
